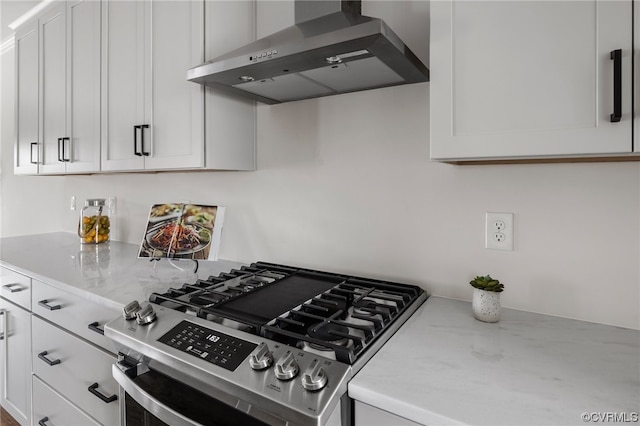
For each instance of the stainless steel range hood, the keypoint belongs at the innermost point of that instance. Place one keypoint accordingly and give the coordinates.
(331, 49)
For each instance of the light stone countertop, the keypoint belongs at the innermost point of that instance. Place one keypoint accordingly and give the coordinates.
(107, 273)
(443, 367)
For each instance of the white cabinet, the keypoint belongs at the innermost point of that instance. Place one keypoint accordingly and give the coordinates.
(77, 370)
(27, 99)
(65, 77)
(78, 315)
(53, 100)
(82, 154)
(529, 79)
(70, 353)
(101, 87)
(15, 345)
(50, 408)
(153, 117)
(366, 415)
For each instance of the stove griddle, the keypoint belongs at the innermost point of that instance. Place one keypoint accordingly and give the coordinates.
(266, 303)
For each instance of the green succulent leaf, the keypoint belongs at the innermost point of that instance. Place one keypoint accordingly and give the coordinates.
(487, 283)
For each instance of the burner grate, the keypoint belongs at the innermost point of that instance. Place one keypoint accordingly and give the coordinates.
(291, 305)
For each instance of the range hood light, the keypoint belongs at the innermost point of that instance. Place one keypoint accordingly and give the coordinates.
(246, 78)
(333, 59)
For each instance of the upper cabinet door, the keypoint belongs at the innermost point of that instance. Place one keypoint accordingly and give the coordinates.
(123, 67)
(53, 81)
(82, 150)
(65, 77)
(517, 79)
(175, 107)
(27, 100)
(153, 117)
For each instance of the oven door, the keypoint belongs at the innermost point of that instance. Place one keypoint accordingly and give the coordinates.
(153, 398)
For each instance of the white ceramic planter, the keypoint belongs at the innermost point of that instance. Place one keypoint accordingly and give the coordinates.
(486, 305)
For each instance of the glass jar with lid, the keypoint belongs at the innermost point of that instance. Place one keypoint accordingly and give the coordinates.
(94, 224)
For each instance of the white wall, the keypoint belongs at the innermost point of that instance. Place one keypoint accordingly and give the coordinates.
(345, 183)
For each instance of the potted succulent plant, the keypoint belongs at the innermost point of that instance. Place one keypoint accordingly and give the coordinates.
(486, 298)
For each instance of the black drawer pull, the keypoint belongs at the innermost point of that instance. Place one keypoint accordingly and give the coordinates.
(107, 399)
(42, 421)
(13, 287)
(44, 304)
(43, 356)
(94, 327)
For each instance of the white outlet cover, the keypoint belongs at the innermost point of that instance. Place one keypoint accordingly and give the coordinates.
(499, 231)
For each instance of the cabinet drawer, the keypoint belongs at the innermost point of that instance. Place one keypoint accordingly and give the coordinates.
(15, 287)
(73, 313)
(50, 408)
(75, 366)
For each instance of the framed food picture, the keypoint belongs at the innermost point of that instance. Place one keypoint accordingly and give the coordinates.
(182, 231)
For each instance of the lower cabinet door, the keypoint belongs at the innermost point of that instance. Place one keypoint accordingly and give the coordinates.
(50, 408)
(15, 372)
(77, 370)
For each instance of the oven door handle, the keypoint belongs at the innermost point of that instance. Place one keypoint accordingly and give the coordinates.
(147, 401)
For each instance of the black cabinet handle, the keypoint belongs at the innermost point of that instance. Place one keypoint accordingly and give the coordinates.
(142, 127)
(65, 156)
(31, 153)
(42, 421)
(616, 57)
(135, 141)
(45, 304)
(13, 287)
(106, 399)
(60, 150)
(94, 327)
(43, 356)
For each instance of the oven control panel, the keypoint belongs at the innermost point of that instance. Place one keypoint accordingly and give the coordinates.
(212, 346)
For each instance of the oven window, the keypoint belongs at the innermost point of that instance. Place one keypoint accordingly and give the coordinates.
(189, 402)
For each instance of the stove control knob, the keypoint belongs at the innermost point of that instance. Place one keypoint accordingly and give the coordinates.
(286, 368)
(146, 315)
(130, 310)
(314, 378)
(261, 357)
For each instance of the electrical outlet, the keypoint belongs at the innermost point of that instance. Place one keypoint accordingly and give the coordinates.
(72, 203)
(499, 231)
(111, 203)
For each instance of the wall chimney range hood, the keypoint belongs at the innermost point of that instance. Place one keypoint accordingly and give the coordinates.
(331, 49)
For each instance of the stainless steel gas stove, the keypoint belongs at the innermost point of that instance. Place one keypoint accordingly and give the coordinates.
(263, 344)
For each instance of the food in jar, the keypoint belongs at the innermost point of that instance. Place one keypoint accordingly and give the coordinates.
(95, 229)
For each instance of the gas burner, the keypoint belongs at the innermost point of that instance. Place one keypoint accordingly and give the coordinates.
(325, 332)
(365, 308)
(206, 299)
